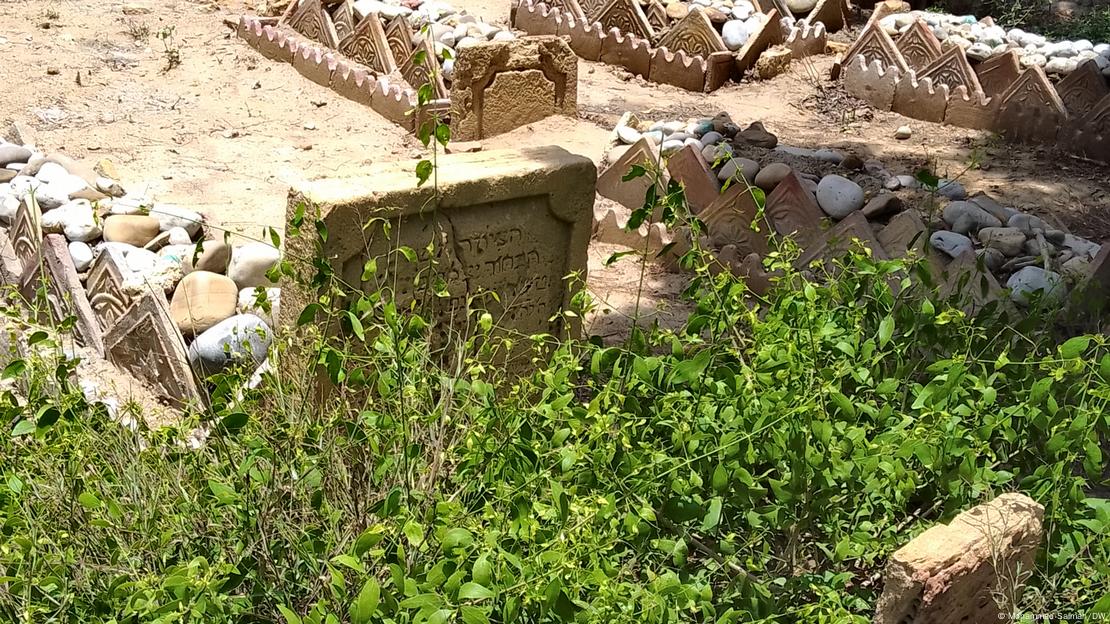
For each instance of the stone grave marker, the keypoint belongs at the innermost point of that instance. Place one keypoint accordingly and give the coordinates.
(107, 295)
(513, 222)
(632, 193)
(793, 211)
(688, 167)
(56, 278)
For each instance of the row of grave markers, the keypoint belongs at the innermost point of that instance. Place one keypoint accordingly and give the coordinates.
(918, 77)
(132, 330)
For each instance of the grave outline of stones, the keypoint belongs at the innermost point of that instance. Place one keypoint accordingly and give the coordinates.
(852, 231)
(418, 72)
(998, 73)
(148, 319)
(311, 20)
(1083, 89)
(730, 218)
(919, 98)
(875, 42)
(367, 45)
(570, 8)
(807, 39)
(107, 296)
(398, 35)
(694, 35)
(872, 82)
(344, 20)
(628, 18)
(952, 69)
(919, 46)
(793, 211)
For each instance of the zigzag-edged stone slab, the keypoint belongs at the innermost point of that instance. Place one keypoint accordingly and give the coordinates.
(569, 8)
(398, 34)
(316, 63)
(694, 35)
(793, 211)
(585, 38)
(919, 46)
(875, 44)
(353, 81)
(311, 20)
(998, 73)
(873, 83)
(1083, 89)
(688, 168)
(732, 219)
(807, 39)
(627, 51)
(678, 69)
(649, 238)
(952, 69)
(919, 98)
(1031, 110)
(368, 45)
(394, 103)
(632, 193)
(975, 111)
(146, 342)
(537, 18)
(343, 17)
(627, 17)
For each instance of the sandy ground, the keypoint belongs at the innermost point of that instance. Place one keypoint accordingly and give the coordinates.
(227, 132)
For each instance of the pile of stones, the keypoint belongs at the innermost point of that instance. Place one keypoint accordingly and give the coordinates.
(450, 28)
(219, 296)
(982, 39)
(1020, 250)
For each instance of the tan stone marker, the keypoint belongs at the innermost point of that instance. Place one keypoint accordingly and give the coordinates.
(515, 222)
(949, 572)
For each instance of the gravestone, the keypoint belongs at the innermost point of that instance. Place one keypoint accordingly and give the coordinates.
(510, 222)
(501, 85)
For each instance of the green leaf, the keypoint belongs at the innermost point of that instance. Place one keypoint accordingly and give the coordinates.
(443, 134)
(22, 428)
(367, 603)
(423, 172)
(482, 571)
(474, 591)
(635, 172)
(611, 260)
(1074, 347)
(349, 561)
(234, 422)
(886, 330)
(713, 517)
(88, 500)
(14, 370)
(290, 617)
(473, 615)
(456, 538)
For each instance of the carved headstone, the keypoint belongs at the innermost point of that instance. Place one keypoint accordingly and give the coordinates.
(919, 46)
(875, 44)
(851, 231)
(417, 70)
(107, 295)
(592, 9)
(56, 278)
(1031, 110)
(146, 342)
(732, 219)
(1092, 138)
(1082, 89)
(952, 69)
(501, 85)
(693, 34)
(997, 73)
(510, 222)
(688, 168)
(767, 34)
(971, 282)
(627, 17)
(632, 193)
(311, 20)
(793, 211)
(367, 45)
(343, 17)
(831, 13)
(398, 34)
(26, 233)
(657, 15)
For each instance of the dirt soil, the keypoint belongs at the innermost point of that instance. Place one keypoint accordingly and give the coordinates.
(226, 131)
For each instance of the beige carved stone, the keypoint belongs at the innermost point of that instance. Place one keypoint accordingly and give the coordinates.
(872, 83)
(952, 70)
(1031, 110)
(627, 17)
(502, 85)
(108, 297)
(793, 211)
(971, 111)
(920, 98)
(688, 168)
(309, 18)
(851, 233)
(733, 219)
(145, 342)
(807, 40)
(420, 68)
(343, 17)
(948, 573)
(831, 13)
(874, 44)
(693, 34)
(398, 34)
(513, 222)
(1082, 89)
(768, 33)
(26, 233)
(56, 278)
(919, 46)
(968, 281)
(997, 73)
(631, 193)
(1092, 138)
(367, 44)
